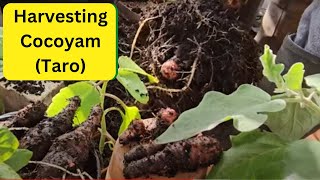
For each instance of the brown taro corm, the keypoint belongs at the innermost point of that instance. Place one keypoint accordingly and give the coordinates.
(39, 138)
(140, 131)
(182, 156)
(71, 150)
(168, 115)
(134, 132)
(141, 151)
(30, 115)
(169, 69)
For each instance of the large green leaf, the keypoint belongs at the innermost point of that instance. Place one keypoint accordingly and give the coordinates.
(8, 144)
(88, 94)
(293, 122)
(271, 70)
(245, 106)
(6, 172)
(254, 155)
(263, 155)
(19, 159)
(134, 85)
(302, 159)
(313, 81)
(125, 63)
(294, 77)
(131, 113)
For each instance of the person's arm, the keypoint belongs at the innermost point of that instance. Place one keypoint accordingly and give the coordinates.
(304, 25)
(302, 46)
(281, 17)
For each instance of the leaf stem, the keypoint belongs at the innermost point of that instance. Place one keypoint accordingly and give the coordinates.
(116, 99)
(311, 105)
(279, 96)
(114, 109)
(104, 133)
(306, 102)
(316, 99)
(103, 119)
(103, 91)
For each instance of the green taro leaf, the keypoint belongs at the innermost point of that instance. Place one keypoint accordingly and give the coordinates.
(19, 159)
(125, 63)
(254, 155)
(303, 159)
(313, 81)
(8, 144)
(134, 85)
(131, 113)
(88, 94)
(263, 155)
(245, 106)
(294, 77)
(271, 70)
(6, 172)
(293, 122)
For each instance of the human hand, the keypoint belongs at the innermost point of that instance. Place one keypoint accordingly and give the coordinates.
(183, 159)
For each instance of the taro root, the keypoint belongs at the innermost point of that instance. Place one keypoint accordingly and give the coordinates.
(39, 138)
(168, 115)
(71, 150)
(169, 70)
(29, 116)
(141, 151)
(125, 154)
(138, 131)
(182, 156)
(134, 132)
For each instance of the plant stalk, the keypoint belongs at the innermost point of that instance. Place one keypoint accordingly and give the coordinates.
(116, 99)
(104, 132)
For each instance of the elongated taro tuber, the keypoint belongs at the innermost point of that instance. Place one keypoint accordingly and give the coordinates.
(138, 152)
(135, 132)
(183, 156)
(71, 150)
(39, 138)
(139, 131)
(30, 115)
